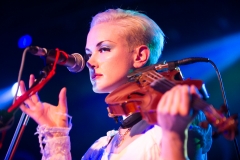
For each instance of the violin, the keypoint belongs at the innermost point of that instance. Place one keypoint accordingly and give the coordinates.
(145, 88)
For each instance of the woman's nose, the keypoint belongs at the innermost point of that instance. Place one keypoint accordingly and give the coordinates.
(91, 63)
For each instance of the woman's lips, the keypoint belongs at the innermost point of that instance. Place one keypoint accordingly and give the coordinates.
(95, 76)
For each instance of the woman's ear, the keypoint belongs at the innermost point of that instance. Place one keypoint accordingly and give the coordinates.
(141, 56)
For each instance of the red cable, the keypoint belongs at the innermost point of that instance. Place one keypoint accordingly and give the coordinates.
(38, 87)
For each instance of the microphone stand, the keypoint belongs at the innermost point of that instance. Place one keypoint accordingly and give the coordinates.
(16, 137)
(23, 121)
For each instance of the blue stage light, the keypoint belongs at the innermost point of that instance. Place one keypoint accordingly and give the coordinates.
(14, 90)
(25, 41)
(223, 52)
(7, 94)
(5, 97)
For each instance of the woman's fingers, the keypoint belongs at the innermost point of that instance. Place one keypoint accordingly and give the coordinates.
(44, 113)
(31, 80)
(23, 90)
(173, 109)
(185, 101)
(33, 100)
(168, 102)
(176, 101)
(62, 104)
(34, 97)
(161, 103)
(22, 87)
(25, 109)
(195, 91)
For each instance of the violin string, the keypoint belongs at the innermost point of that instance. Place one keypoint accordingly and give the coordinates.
(213, 116)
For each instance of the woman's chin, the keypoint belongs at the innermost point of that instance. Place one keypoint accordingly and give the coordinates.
(106, 88)
(102, 89)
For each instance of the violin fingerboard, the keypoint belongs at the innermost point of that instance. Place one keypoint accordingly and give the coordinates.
(162, 85)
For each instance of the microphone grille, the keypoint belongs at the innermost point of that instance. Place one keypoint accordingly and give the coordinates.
(80, 63)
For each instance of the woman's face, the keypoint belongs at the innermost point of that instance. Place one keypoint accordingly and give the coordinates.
(110, 59)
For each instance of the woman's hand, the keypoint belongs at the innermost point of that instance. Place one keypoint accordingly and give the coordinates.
(174, 116)
(45, 113)
(174, 112)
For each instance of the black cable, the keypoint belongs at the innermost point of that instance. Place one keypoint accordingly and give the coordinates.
(225, 103)
(173, 64)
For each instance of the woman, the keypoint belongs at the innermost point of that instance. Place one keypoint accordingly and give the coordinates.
(124, 40)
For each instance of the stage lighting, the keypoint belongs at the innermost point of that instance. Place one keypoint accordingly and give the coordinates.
(14, 90)
(25, 41)
(7, 94)
(224, 52)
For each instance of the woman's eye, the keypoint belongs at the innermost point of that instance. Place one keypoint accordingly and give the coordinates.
(104, 49)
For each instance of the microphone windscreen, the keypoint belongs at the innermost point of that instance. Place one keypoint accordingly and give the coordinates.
(79, 65)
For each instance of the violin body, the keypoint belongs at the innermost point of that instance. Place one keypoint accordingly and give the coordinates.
(141, 96)
(146, 87)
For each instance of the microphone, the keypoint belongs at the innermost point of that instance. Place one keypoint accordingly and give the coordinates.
(173, 64)
(74, 62)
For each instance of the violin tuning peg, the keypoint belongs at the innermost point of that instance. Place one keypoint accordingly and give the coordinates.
(223, 109)
(204, 124)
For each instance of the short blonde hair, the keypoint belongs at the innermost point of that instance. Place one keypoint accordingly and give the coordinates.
(139, 30)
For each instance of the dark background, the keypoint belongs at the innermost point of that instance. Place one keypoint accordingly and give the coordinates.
(192, 28)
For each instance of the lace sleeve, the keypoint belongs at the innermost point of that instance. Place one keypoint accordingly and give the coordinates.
(54, 142)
